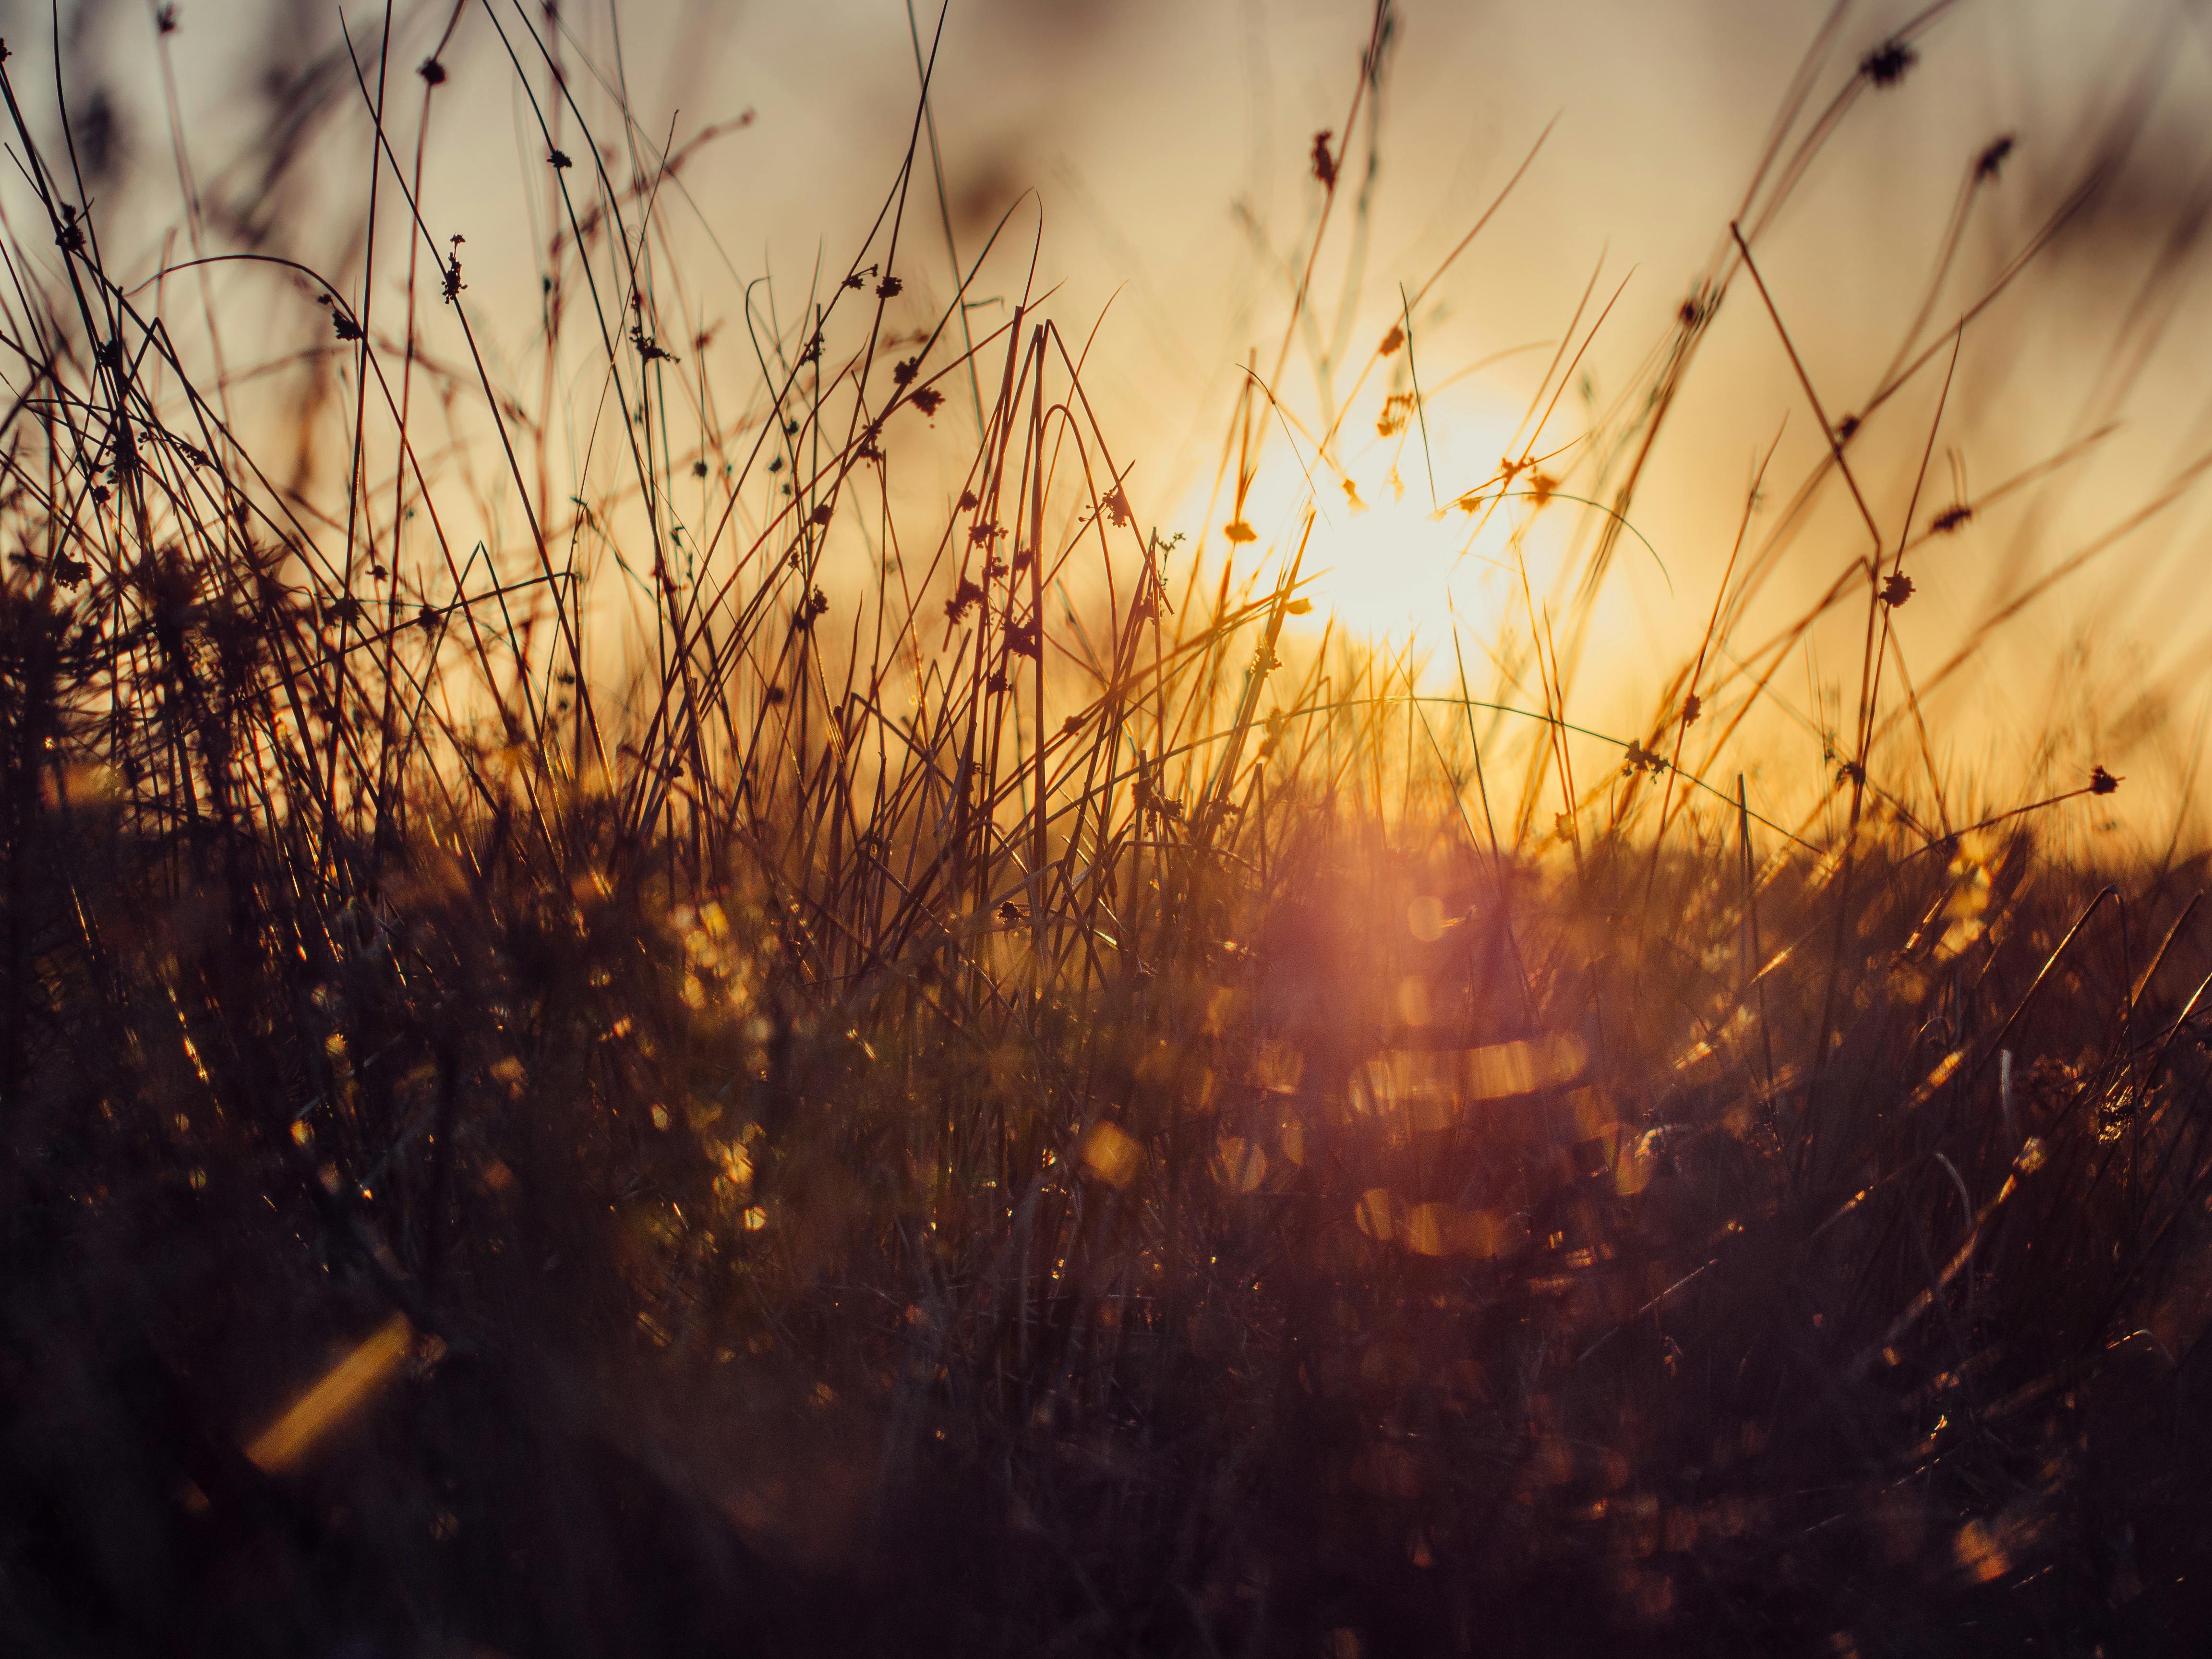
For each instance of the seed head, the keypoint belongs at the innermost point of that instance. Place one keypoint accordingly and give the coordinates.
(1324, 164)
(1888, 63)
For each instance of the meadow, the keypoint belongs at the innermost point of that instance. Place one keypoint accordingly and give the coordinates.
(713, 1049)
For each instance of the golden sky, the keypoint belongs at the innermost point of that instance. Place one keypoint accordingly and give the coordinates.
(1157, 157)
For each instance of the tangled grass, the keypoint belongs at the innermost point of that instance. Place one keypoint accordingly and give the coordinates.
(641, 1092)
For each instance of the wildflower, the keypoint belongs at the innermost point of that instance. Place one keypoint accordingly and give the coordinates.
(1324, 164)
(966, 594)
(928, 399)
(559, 161)
(1888, 63)
(453, 284)
(1986, 165)
(889, 289)
(1392, 341)
(2102, 782)
(431, 70)
(904, 371)
(1239, 532)
(165, 19)
(1276, 722)
(1897, 589)
(1950, 519)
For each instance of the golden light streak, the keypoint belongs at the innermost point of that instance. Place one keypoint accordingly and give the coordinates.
(285, 1443)
(1433, 1087)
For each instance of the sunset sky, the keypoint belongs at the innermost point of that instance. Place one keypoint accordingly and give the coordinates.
(1156, 157)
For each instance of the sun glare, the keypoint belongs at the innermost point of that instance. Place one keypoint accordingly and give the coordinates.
(1408, 535)
(1396, 567)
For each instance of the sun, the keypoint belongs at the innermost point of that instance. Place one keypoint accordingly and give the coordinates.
(1394, 554)
(1388, 564)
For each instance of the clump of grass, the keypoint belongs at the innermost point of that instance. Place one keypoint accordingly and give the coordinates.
(642, 1093)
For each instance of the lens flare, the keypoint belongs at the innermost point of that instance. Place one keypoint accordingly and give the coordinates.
(341, 1390)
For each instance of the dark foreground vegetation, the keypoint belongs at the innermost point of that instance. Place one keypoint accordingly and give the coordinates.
(928, 1114)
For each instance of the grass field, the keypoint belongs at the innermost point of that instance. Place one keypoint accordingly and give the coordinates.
(714, 1051)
